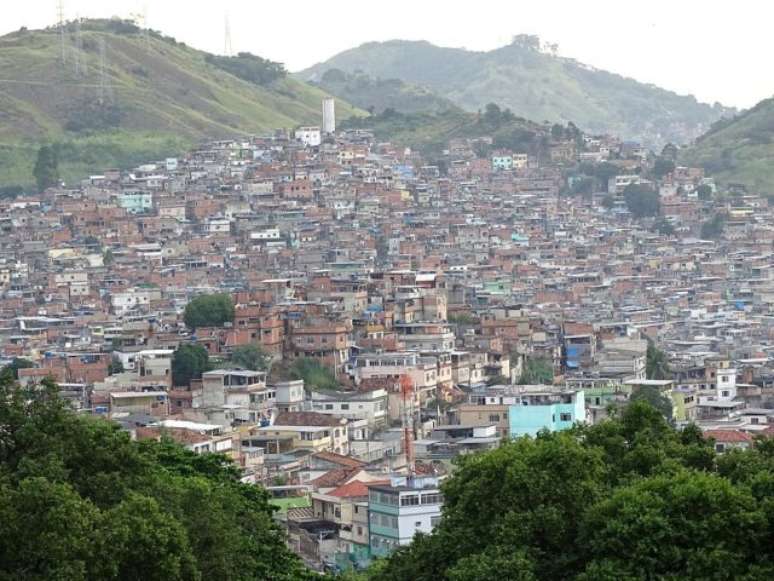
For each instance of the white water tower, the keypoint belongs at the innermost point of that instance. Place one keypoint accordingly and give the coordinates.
(329, 115)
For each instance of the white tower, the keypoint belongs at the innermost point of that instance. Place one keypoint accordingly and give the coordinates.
(329, 115)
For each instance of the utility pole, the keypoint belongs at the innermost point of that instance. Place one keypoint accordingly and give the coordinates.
(61, 20)
(78, 48)
(103, 87)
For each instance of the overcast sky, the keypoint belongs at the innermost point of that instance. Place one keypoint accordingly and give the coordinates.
(716, 50)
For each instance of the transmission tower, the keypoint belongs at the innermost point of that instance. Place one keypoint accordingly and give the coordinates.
(61, 20)
(227, 49)
(80, 68)
(103, 88)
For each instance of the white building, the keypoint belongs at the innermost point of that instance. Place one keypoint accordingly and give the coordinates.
(309, 136)
(329, 115)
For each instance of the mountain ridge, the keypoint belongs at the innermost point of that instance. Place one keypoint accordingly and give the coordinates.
(534, 84)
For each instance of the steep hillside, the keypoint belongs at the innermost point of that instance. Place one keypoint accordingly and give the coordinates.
(534, 84)
(378, 95)
(740, 150)
(122, 95)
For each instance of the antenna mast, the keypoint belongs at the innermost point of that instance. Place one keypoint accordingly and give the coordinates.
(227, 49)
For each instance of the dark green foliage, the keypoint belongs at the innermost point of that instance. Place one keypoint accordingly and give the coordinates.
(653, 396)
(665, 228)
(115, 366)
(14, 366)
(251, 357)
(537, 371)
(608, 202)
(627, 499)
(11, 192)
(314, 374)
(46, 170)
(656, 364)
(642, 201)
(209, 311)
(704, 191)
(713, 229)
(79, 500)
(189, 362)
(91, 115)
(249, 67)
(662, 167)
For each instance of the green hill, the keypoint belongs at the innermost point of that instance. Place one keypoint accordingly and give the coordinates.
(156, 97)
(739, 150)
(535, 84)
(378, 95)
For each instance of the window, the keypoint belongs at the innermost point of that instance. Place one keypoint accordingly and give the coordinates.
(417, 524)
(410, 500)
(725, 393)
(328, 406)
(494, 417)
(432, 498)
(344, 406)
(434, 520)
(565, 417)
(359, 530)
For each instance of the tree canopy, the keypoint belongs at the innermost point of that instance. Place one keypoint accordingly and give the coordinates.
(209, 311)
(629, 498)
(80, 500)
(46, 170)
(642, 201)
(189, 361)
(251, 357)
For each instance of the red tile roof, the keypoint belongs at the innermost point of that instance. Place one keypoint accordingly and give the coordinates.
(355, 489)
(728, 436)
(334, 458)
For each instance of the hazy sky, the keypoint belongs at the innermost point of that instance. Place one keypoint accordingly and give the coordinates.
(716, 50)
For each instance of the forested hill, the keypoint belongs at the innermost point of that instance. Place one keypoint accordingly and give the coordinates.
(535, 84)
(120, 95)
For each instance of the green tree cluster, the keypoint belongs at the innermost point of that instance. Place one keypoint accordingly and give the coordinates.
(249, 67)
(656, 363)
(537, 371)
(80, 500)
(642, 201)
(46, 170)
(209, 311)
(12, 369)
(713, 229)
(251, 357)
(627, 499)
(189, 361)
(314, 374)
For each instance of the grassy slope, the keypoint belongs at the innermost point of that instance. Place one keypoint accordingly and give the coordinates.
(169, 95)
(741, 151)
(534, 85)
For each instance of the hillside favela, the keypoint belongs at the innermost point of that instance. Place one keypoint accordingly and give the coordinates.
(285, 297)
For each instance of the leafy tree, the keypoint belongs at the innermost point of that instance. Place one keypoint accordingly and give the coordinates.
(189, 361)
(107, 257)
(209, 311)
(665, 227)
(80, 500)
(115, 366)
(251, 357)
(10, 192)
(314, 374)
(46, 170)
(713, 228)
(704, 192)
(663, 166)
(653, 396)
(249, 67)
(656, 364)
(18, 363)
(537, 371)
(608, 202)
(641, 200)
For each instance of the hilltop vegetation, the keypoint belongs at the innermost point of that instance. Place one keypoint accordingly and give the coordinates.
(378, 95)
(157, 97)
(431, 132)
(739, 150)
(535, 84)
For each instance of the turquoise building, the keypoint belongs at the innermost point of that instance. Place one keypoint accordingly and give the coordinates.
(550, 410)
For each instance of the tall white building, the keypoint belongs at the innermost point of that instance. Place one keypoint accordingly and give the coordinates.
(329, 115)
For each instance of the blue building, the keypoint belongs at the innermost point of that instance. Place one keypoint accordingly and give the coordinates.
(546, 409)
